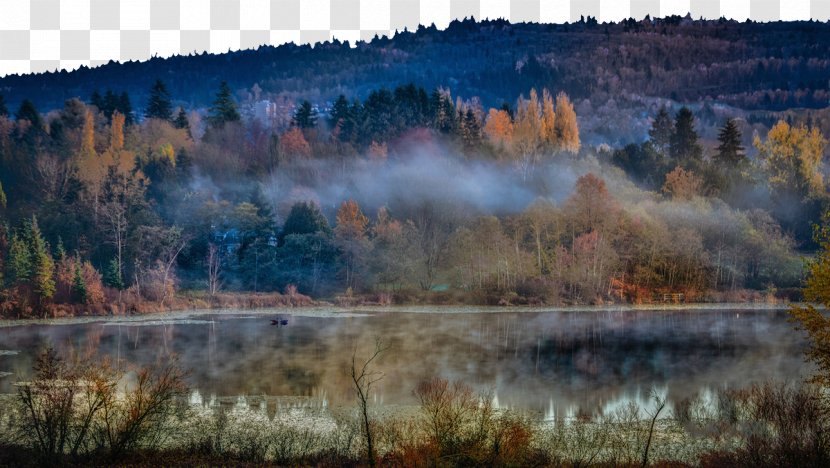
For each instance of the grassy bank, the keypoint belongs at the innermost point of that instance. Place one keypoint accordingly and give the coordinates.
(90, 414)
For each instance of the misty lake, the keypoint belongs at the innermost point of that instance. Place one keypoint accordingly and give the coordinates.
(547, 361)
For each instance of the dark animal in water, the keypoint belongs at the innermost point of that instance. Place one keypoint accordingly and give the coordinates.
(280, 322)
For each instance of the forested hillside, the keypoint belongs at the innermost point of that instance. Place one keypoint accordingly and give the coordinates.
(476, 188)
(610, 71)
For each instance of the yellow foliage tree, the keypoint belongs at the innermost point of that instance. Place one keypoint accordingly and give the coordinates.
(548, 120)
(88, 136)
(351, 222)
(567, 129)
(167, 152)
(527, 131)
(817, 293)
(117, 131)
(792, 159)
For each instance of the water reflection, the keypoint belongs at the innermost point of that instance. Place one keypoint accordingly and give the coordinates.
(553, 362)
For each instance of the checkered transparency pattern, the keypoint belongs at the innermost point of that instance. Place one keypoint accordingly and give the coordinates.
(47, 35)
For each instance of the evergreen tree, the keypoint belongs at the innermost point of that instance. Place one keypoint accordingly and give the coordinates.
(471, 130)
(184, 164)
(685, 146)
(380, 119)
(112, 275)
(27, 111)
(60, 250)
(730, 152)
(158, 106)
(79, 291)
(305, 116)
(305, 218)
(19, 264)
(661, 132)
(223, 109)
(43, 267)
(111, 103)
(96, 100)
(341, 119)
(182, 122)
(442, 112)
(126, 108)
(4, 111)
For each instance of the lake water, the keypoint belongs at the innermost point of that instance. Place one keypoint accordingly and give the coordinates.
(551, 362)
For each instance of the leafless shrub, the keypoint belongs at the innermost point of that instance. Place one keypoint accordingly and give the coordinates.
(77, 409)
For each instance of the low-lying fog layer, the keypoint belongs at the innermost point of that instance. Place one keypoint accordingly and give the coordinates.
(549, 362)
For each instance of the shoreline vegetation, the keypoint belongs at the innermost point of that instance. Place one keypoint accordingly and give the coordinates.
(195, 303)
(83, 413)
(331, 310)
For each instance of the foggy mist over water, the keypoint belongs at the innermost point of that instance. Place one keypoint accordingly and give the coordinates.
(539, 361)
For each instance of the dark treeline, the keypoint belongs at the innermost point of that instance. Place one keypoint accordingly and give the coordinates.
(768, 66)
(408, 190)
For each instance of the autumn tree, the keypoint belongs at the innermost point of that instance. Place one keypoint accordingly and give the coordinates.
(792, 159)
(591, 207)
(293, 144)
(158, 105)
(117, 132)
(391, 253)
(567, 129)
(550, 139)
(542, 225)
(87, 149)
(527, 132)
(499, 128)
(683, 184)
(350, 237)
(483, 257)
(810, 316)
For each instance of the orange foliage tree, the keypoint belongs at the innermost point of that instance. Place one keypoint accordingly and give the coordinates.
(682, 184)
(350, 237)
(499, 128)
(294, 144)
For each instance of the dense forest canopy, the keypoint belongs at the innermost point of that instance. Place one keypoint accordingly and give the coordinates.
(611, 71)
(434, 187)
